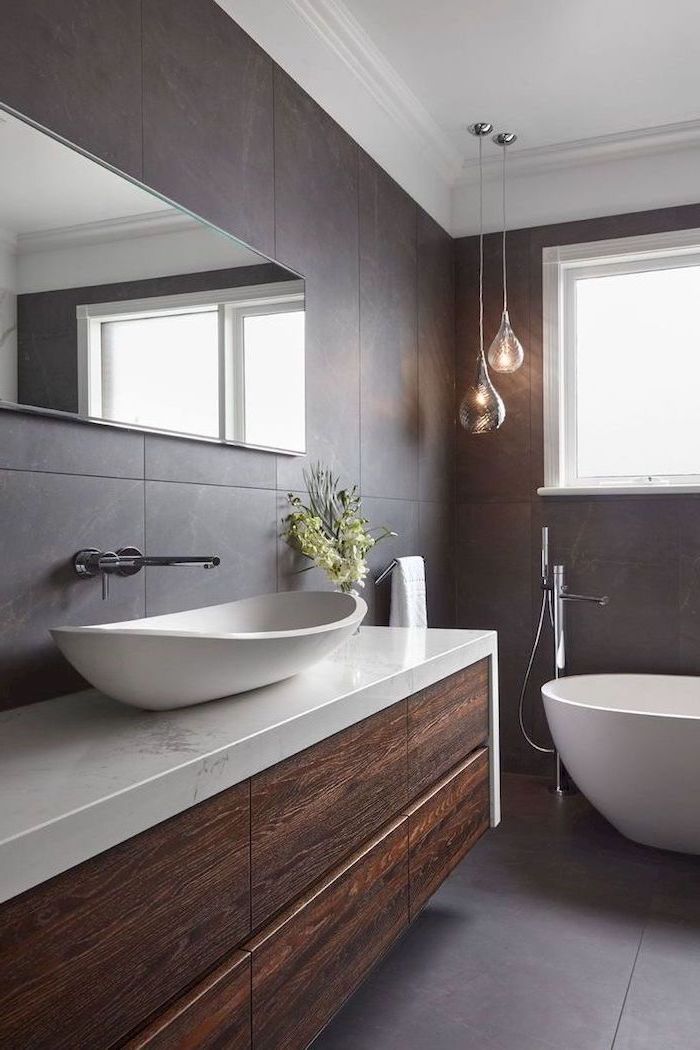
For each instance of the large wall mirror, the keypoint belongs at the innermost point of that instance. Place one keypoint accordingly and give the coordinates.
(119, 308)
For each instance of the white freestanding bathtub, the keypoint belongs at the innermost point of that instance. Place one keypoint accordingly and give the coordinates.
(632, 744)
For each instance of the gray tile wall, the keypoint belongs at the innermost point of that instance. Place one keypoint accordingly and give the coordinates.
(644, 552)
(175, 93)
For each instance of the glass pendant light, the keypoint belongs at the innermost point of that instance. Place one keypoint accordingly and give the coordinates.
(481, 410)
(506, 353)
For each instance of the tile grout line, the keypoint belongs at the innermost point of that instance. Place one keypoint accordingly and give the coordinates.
(629, 983)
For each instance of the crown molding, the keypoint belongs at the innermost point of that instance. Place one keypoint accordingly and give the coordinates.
(603, 148)
(104, 231)
(337, 28)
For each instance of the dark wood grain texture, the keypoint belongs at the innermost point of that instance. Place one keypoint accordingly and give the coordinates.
(444, 824)
(214, 1015)
(307, 963)
(88, 956)
(446, 722)
(311, 811)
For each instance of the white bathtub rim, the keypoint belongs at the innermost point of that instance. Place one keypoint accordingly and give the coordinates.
(549, 693)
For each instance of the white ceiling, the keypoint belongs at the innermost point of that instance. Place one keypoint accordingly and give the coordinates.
(551, 70)
(603, 94)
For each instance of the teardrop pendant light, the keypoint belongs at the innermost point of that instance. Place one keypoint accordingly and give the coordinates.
(506, 353)
(481, 410)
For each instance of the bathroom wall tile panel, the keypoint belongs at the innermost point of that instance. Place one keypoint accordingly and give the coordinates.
(498, 464)
(494, 591)
(436, 361)
(208, 117)
(316, 208)
(44, 520)
(625, 530)
(436, 544)
(235, 523)
(402, 517)
(689, 584)
(74, 66)
(177, 459)
(638, 631)
(29, 442)
(388, 340)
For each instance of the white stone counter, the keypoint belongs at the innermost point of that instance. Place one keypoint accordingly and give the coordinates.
(82, 773)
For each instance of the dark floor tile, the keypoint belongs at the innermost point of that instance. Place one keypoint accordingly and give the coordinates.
(662, 1011)
(529, 945)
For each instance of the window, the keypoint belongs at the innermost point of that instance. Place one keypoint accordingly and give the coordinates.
(227, 365)
(622, 365)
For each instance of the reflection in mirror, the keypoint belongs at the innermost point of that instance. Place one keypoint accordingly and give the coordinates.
(120, 308)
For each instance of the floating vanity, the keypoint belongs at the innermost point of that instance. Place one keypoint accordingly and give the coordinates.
(226, 875)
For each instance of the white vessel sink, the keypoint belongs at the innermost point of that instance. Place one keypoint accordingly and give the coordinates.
(186, 658)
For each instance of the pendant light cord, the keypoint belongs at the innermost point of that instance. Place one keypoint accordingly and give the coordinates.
(505, 285)
(481, 250)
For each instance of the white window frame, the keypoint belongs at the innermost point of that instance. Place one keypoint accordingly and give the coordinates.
(562, 266)
(233, 305)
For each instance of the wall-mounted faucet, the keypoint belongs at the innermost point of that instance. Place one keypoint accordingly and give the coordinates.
(127, 561)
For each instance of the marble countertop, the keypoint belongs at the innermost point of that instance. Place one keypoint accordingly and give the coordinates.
(81, 773)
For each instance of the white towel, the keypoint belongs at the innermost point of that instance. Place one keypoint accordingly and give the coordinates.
(408, 593)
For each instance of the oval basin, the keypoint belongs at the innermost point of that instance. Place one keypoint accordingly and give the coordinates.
(184, 658)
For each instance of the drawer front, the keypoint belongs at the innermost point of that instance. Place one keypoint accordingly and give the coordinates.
(314, 956)
(214, 1016)
(446, 722)
(312, 811)
(444, 825)
(88, 956)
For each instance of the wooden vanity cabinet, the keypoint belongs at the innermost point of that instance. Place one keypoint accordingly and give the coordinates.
(247, 920)
(309, 960)
(313, 810)
(87, 956)
(215, 1015)
(446, 721)
(444, 824)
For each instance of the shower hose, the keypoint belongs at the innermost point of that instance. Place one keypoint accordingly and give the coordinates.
(545, 606)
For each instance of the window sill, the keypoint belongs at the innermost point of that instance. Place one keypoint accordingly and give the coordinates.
(620, 490)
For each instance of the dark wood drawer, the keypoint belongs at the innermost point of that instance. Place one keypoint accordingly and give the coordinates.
(444, 824)
(315, 954)
(313, 810)
(215, 1015)
(446, 722)
(86, 957)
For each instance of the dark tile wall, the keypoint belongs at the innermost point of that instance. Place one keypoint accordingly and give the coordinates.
(174, 92)
(642, 551)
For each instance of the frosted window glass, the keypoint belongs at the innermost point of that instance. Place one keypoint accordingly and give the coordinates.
(638, 374)
(273, 348)
(163, 371)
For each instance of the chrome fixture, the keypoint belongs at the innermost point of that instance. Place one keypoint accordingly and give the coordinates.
(555, 595)
(386, 572)
(506, 353)
(127, 561)
(481, 410)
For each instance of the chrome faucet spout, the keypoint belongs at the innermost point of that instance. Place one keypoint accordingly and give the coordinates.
(566, 596)
(127, 561)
